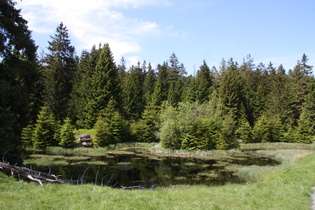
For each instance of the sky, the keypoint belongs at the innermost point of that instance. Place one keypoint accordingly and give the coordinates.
(277, 31)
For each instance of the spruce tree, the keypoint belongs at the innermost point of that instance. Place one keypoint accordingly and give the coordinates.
(204, 80)
(190, 90)
(59, 68)
(110, 127)
(306, 122)
(66, 137)
(104, 86)
(148, 85)
(161, 86)
(26, 135)
(133, 94)
(19, 77)
(301, 77)
(45, 130)
(146, 128)
(231, 90)
(82, 90)
(97, 83)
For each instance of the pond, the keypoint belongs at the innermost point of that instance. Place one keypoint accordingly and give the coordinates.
(137, 168)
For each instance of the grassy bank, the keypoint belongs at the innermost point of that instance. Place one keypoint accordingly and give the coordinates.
(289, 188)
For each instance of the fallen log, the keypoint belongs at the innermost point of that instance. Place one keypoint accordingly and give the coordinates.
(29, 174)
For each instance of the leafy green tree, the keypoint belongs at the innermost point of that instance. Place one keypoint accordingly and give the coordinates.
(19, 77)
(169, 131)
(45, 130)
(59, 68)
(66, 137)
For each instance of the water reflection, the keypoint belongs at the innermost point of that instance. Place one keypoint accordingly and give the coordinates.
(140, 169)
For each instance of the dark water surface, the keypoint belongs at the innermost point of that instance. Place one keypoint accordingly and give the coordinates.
(142, 169)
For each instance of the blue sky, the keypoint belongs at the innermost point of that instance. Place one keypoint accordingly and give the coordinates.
(277, 31)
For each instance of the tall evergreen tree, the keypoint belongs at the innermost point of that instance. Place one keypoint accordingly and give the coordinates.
(148, 85)
(175, 80)
(307, 118)
(104, 86)
(110, 127)
(231, 90)
(133, 94)
(46, 130)
(161, 86)
(82, 90)
(59, 67)
(204, 80)
(19, 76)
(66, 137)
(301, 76)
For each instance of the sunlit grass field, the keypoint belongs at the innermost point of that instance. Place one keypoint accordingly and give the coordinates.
(287, 187)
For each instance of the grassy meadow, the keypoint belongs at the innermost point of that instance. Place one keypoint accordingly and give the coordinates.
(287, 186)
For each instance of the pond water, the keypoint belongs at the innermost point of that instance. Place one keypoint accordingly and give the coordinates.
(140, 169)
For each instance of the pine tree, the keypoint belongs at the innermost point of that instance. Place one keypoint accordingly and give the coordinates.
(66, 137)
(45, 130)
(19, 77)
(59, 69)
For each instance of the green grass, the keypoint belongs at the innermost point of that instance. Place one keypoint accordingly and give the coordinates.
(78, 132)
(95, 151)
(289, 188)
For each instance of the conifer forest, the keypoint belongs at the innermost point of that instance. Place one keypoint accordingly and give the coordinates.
(44, 98)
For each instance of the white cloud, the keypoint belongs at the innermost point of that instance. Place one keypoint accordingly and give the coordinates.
(91, 22)
(133, 60)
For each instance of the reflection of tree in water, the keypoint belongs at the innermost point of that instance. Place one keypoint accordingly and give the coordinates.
(145, 171)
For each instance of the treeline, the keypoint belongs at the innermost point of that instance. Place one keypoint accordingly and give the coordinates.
(215, 108)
